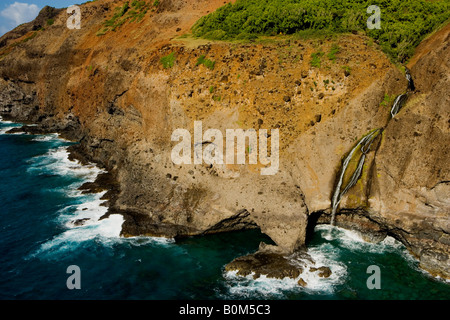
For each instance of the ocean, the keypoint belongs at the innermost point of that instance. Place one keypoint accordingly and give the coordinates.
(39, 203)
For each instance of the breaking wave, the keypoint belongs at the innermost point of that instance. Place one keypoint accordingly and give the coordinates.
(329, 253)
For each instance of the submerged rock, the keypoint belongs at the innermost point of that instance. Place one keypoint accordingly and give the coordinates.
(80, 222)
(323, 272)
(272, 265)
(273, 262)
(302, 282)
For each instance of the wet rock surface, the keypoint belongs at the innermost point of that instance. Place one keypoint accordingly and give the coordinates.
(271, 262)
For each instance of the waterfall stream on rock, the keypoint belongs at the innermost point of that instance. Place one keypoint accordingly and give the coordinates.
(363, 147)
(398, 103)
(411, 86)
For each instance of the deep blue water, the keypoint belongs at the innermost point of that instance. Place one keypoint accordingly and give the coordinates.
(39, 199)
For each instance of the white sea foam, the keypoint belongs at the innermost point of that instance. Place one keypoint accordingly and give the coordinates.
(326, 254)
(105, 231)
(268, 287)
(91, 210)
(9, 125)
(89, 228)
(88, 212)
(3, 130)
(143, 241)
(47, 137)
(353, 240)
(4, 121)
(81, 221)
(247, 287)
(57, 161)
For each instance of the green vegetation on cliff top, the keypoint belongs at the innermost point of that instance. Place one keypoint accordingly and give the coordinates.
(404, 23)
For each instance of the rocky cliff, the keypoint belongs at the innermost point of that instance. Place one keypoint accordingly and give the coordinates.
(108, 87)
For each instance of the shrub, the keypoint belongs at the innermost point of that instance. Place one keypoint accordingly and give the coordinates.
(168, 61)
(316, 59)
(206, 62)
(387, 100)
(334, 50)
(216, 35)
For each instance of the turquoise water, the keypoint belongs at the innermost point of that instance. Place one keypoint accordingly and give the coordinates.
(39, 201)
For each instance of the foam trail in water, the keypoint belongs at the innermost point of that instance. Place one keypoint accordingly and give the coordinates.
(4, 130)
(247, 287)
(47, 137)
(83, 221)
(4, 121)
(57, 161)
(5, 126)
(84, 227)
(353, 240)
(327, 254)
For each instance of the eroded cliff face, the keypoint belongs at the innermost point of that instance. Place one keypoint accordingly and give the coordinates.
(411, 191)
(111, 93)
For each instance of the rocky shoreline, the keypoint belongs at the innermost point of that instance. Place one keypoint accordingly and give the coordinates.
(271, 261)
(120, 105)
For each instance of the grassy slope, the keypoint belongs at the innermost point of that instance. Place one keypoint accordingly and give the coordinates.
(404, 23)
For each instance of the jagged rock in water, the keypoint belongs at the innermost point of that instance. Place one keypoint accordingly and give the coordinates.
(80, 222)
(264, 262)
(302, 282)
(323, 272)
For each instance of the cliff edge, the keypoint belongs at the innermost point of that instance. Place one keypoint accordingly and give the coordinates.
(121, 91)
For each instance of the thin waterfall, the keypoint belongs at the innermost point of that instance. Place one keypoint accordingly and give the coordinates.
(398, 103)
(401, 99)
(411, 86)
(364, 147)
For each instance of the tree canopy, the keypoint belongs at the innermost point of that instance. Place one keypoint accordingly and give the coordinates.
(404, 23)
